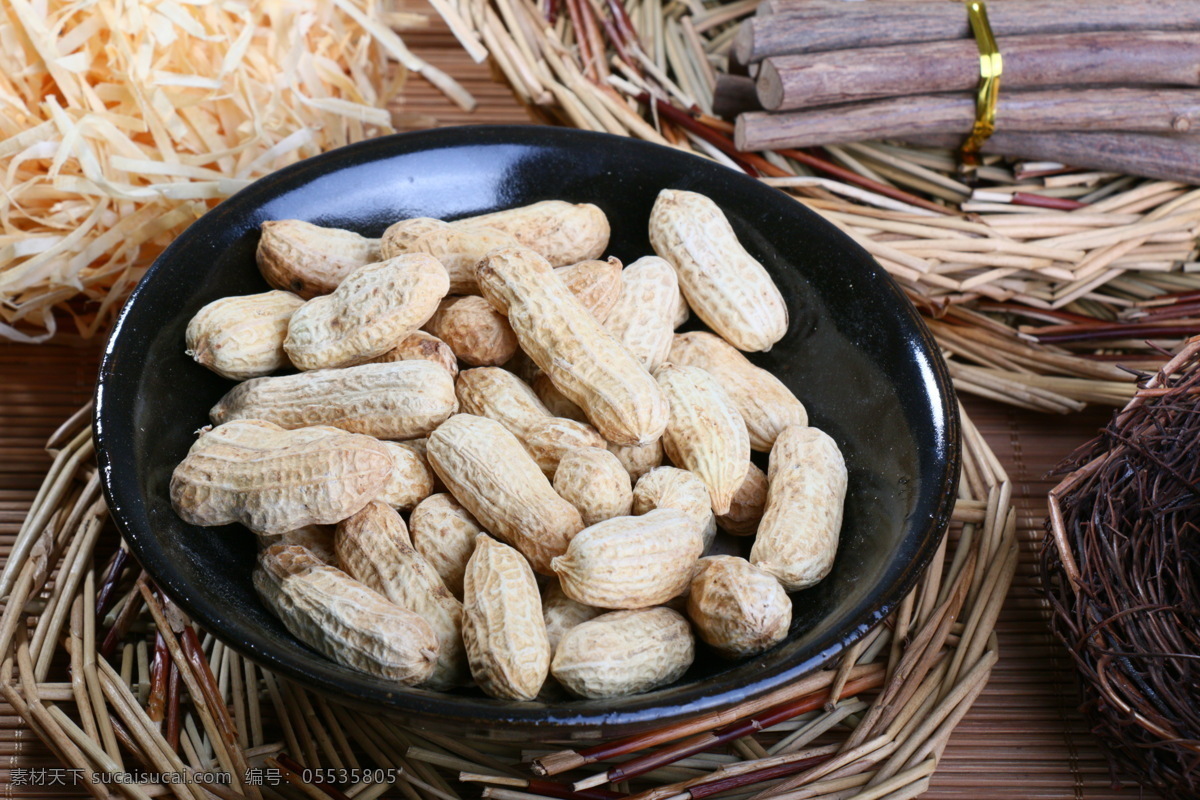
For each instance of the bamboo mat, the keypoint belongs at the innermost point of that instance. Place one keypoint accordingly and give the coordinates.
(1022, 739)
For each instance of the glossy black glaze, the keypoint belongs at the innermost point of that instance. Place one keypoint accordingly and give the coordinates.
(856, 353)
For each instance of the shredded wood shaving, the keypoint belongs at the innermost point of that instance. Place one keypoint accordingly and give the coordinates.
(121, 121)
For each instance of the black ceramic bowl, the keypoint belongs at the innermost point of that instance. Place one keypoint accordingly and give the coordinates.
(856, 353)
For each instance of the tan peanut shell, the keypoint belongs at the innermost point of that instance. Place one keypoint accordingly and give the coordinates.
(798, 536)
(402, 400)
(458, 247)
(421, 346)
(554, 400)
(503, 628)
(373, 548)
(550, 439)
(624, 652)
(723, 284)
(411, 480)
(342, 619)
(584, 361)
(706, 434)
(737, 608)
(671, 487)
(371, 312)
(488, 471)
(308, 259)
(444, 532)
(562, 233)
(317, 539)
(765, 403)
(593, 480)
(561, 613)
(272, 480)
(498, 394)
(638, 459)
(477, 333)
(643, 318)
(631, 562)
(749, 502)
(596, 283)
(242, 337)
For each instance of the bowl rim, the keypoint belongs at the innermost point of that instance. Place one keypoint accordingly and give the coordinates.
(487, 711)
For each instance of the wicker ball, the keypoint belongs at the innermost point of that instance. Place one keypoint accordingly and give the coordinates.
(1121, 570)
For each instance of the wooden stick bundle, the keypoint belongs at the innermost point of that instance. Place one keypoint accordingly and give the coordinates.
(1160, 111)
(1108, 57)
(784, 27)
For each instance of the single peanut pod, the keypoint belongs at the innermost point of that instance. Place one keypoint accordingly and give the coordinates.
(631, 562)
(764, 402)
(554, 400)
(561, 613)
(723, 284)
(638, 459)
(498, 394)
(671, 487)
(593, 480)
(477, 333)
(552, 438)
(562, 233)
(706, 434)
(583, 360)
(503, 628)
(737, 608)
(371, 312)
(421, 346)
(596, 283)
(487, 470)
(798, 536)
(624, 652)
(317, 539)
(643, 317)
(272, 480)
(402, 400)
(373, 548)
(444, 532)
(749, 501)
(342, 619)
(458, 247)
(411, 480)
(242, 337)
(308, 259)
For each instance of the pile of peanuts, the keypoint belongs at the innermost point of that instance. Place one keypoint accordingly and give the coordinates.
(545, 537)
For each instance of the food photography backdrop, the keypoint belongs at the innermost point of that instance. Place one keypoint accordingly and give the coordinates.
(1054, 261)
